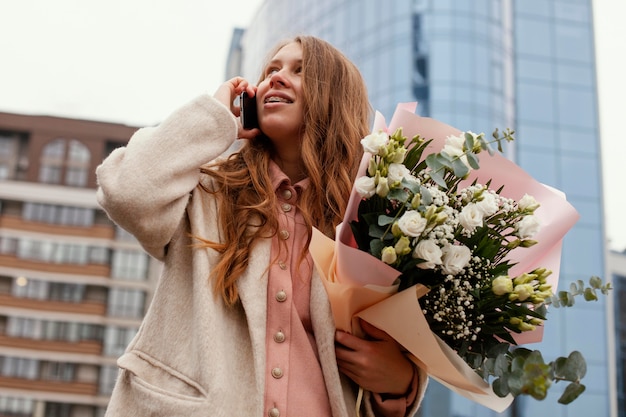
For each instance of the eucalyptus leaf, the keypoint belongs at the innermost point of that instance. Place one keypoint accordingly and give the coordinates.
(376, 232)
(384, 220)
(501, 387)
(459, 167)
(438, 178)
(502, 365)
(427, 197)
(472, 159)
(399, 194)
(376, 247)
(572, 391)
(590, 295)
(412, 186)
(573, 368)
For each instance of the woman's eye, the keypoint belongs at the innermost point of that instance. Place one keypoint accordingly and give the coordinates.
(271, 72)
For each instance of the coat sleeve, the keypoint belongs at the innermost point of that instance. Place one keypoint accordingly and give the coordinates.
(144, 187)
(402, 406)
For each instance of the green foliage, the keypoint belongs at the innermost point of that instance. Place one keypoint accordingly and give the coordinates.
(590, 293)
(524, 372)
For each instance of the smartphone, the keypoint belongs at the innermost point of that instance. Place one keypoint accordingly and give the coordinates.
(248, 113)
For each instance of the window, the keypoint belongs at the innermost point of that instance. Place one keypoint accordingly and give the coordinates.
(8, 154)
(28, 288)
(8, 245)
(63, 215)
(108, 375)
(58, 371)
(48, 251)
(130, 265)
(16, 407)
(19, 367)
(52, 330)
(58, 409)
(116, 340)
(65, 156)
(126, 303)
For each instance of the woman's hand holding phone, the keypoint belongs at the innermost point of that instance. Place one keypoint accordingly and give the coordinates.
(228, 92)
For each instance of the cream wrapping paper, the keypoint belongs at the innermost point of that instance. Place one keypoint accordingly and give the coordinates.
(361, 286)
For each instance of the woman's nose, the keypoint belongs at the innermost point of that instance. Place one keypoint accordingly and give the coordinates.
(278, 78)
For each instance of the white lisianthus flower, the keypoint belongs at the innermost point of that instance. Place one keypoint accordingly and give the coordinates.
(389, 255)
(527, 227)
(454, 147)
(403, 246)
(398, 155)
(396, 172)
(374, 142)
(523, 291)
(455, 258)
(528, 202)
(430, 252)
(488, 205)
(365, 186)
(502, 285)
(412, 223)
(382, 188)
(471, 217)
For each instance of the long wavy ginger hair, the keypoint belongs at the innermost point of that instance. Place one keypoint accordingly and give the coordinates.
(336, 117)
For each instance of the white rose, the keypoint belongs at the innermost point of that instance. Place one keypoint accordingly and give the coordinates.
(455, 258)
(489, 204)
(471, 217)
(373, 142)
(527, 227)
(365, 186)
(389, 255)
(528, 202)
(430, 252)
(412, 223)
(396, 172)
(502, 285)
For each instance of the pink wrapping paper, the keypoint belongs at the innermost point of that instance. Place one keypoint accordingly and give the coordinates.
(361, 286)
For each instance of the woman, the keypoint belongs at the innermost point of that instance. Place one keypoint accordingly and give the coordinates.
(240, 324)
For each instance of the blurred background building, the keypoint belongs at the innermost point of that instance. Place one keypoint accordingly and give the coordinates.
(73, 287)
(616, 271)
(477, 65)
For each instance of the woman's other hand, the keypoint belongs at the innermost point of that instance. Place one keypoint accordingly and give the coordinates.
(376, 363)
(227, 93)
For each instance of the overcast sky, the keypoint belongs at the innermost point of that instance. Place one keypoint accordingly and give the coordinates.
(134, 61)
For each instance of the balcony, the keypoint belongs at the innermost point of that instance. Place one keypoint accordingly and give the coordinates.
(97, 231)
(60, 387)
(84, 307)
(83, 347)
(11, 261)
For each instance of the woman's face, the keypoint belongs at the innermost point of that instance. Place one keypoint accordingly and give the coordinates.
(279, 96)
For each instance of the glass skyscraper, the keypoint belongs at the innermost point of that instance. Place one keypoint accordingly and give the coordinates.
(477, 65)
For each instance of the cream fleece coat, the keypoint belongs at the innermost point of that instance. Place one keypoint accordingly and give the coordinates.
(194, 356)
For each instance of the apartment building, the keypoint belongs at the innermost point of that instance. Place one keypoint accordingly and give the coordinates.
(73, 286)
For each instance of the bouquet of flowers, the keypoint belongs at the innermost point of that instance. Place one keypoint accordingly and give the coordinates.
(458, 239)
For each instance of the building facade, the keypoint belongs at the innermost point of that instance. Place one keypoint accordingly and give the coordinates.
(478, 65)
(616, 266)
(73, 286)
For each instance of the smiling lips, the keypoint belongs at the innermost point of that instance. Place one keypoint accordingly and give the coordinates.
(277, 98)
